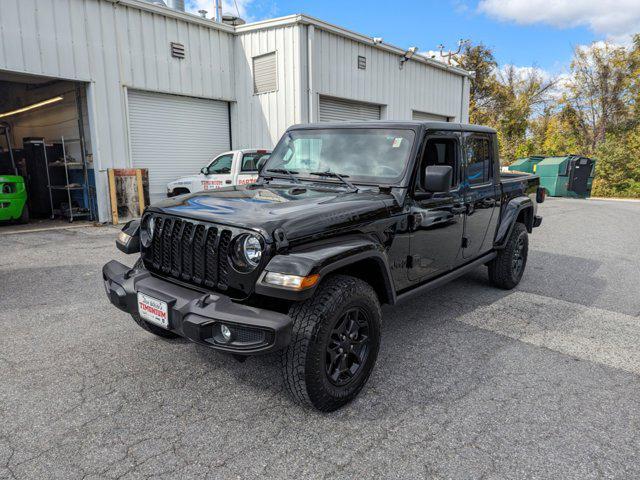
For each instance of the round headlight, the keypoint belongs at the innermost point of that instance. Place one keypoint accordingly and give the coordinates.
(247, 252)
(147, 229)
(152, 227)
(252, 250)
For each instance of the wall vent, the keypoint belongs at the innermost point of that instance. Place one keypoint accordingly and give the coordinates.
(177, 50)
(362, 62)
(265, 73)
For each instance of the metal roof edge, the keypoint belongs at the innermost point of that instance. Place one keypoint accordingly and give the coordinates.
(171, 13)
(344, 32)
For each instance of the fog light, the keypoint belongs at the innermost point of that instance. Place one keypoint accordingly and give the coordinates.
(291, 282)
(226, 333)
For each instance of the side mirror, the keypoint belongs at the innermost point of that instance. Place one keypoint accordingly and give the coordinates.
(437, 178)
(204, 170)
(261, 163)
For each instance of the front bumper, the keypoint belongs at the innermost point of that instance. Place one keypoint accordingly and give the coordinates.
(197, 316)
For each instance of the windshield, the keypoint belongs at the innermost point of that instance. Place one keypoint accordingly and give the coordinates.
(372, 155)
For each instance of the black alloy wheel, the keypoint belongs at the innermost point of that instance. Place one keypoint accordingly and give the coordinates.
(348, 347)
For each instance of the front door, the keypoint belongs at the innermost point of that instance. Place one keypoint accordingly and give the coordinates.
(481, 194)
(437, 220)
(218, 173)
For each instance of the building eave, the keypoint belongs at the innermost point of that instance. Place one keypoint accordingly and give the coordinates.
(343, 32)
(171, 13)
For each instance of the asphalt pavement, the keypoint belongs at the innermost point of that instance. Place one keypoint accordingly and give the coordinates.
(471, 382)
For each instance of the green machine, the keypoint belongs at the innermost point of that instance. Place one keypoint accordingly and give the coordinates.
(13, 192)
(526, 164)
(570, 176)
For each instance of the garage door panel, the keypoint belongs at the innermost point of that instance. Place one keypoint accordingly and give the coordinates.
(174, 136)
(340, 110)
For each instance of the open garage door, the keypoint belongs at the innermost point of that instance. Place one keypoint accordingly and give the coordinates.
(339, 110)
(174, 136)
(429, 117)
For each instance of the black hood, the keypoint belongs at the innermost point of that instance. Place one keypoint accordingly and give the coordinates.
(299, 210)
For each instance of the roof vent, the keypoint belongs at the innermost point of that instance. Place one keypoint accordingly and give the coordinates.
(232, 20)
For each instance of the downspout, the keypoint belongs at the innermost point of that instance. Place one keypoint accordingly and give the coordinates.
(310, 84)
(464, 80)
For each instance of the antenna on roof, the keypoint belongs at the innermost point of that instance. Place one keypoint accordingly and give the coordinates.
(450, 54)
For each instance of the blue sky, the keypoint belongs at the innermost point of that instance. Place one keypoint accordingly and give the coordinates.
(539, 33)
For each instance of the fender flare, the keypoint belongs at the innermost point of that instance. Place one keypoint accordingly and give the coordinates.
(510, 215)
(325, 258)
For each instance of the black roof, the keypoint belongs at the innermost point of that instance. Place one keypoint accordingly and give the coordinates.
(413, 124)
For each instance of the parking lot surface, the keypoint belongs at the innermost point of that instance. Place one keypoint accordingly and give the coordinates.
(471, 382)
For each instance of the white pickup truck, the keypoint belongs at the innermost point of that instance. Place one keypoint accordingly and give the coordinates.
(237, 167)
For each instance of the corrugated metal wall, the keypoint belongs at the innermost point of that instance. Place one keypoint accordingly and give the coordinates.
(417, 86)
(112, 46)
(258, 120)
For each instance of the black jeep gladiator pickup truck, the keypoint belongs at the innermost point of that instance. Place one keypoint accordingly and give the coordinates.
(343, 218)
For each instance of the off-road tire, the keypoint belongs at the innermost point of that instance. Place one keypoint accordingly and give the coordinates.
(304, 360)
(502, 273)
(24, 216)
(149, 327)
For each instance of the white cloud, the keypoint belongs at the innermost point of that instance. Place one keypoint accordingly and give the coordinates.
(615, 20)
(228, 7)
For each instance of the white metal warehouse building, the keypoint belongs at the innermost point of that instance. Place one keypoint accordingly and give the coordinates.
(235, 87)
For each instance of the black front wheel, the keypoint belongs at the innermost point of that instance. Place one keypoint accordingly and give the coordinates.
(334, 344)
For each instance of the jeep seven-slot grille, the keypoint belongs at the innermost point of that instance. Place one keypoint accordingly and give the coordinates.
(190, 252)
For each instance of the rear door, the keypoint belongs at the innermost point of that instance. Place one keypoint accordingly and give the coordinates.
(481, 193)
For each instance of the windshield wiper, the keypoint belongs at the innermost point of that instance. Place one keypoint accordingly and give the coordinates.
(288, 173)
(338, 176)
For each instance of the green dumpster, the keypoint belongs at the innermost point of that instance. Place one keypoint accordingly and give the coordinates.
(569, 176)
(526, 164)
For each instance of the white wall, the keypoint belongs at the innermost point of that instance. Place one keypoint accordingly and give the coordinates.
(113, 46)
(417, 86)
(259, 120)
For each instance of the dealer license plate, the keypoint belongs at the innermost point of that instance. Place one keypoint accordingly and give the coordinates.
(153, 310)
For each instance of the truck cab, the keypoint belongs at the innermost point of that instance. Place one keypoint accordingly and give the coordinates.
(236, 167)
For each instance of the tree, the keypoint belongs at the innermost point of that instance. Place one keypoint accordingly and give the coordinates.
(597, 88)
(478, 59)
(517, 95)
(618, 165)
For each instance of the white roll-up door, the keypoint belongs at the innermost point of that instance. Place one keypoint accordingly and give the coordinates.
(338, 110)
(429, 117)
(174, 136)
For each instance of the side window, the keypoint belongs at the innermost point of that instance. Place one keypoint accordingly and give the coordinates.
(250, 161)
(221, 165)
(441, 151)
(479, 160)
